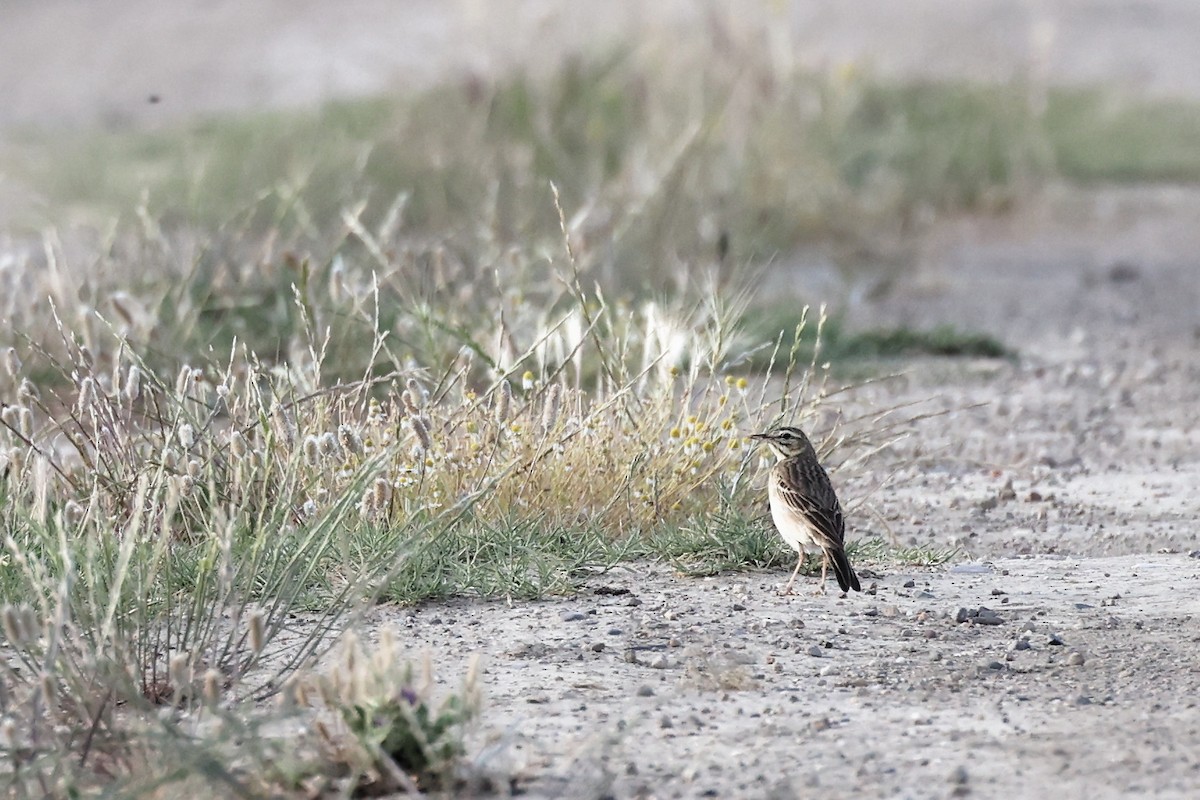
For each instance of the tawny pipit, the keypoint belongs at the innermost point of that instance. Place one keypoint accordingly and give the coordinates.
(805, 508)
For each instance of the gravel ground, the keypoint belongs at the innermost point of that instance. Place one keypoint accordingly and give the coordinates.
(1072, 673)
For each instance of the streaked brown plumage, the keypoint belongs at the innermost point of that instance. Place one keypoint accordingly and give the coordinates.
(805, 507)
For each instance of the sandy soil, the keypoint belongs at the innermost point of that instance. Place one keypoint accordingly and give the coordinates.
(653, 685)
(659, 686)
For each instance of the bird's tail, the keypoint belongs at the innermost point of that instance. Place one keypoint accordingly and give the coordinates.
(844, 572)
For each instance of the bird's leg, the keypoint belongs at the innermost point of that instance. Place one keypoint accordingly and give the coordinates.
(799, 563)
(824, 573)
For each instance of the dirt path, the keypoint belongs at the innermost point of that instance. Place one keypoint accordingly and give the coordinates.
(720, 688)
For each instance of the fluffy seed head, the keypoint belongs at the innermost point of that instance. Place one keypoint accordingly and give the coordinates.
(350, 440)
(381, 494)
(503, 402)
(212, 686)
(12, 362)
(187, 436)
(257, 632)
(421, 429)
(237, 445)
(330, 447)
(312, 451)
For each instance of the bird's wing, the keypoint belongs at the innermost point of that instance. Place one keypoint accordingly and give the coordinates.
(807, 491)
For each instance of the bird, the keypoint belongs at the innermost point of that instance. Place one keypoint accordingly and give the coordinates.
(805, 507)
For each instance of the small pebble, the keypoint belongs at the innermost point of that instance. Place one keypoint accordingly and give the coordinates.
(572, 616)
(959, 775)
(597, 647)
(738, 607)
(1021, 644)
(816, 651)
(1055, 639)
(658, 662)
(645, 691)
(1075, 659)
(910, 583)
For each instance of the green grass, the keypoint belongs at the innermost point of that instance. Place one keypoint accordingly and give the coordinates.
(1102, 136)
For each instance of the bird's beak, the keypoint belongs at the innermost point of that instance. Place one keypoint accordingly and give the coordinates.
(758, 436)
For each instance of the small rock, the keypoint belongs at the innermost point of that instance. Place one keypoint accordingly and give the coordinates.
(986, 616)
(816, 651)
(978, 616)
(572, 616)
(645, 691)
(738, 607)
(597, 647)
(1035, 497)
(1055, 640)
(1083, 700)
(658, 662)
(930, 633)
(959, 775)
(995, 665)
(890, 611)
(1007, 493)
(1021, 644)
(666, 722)
(910, 583)
(1075, 659)
(821, 724)
(971, 569)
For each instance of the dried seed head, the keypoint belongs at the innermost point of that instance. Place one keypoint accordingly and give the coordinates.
(284, 423)
(237, 445)
(421, 429)
(47, 685)
(185, 484)
(12, 362)
(503, 402)
(193, 469)
(330, 447)
(183, 381)
(350, 440)
(25, 422)
(170, 458)
(187, 436)
(410, 405)
(133, 384)
(13, 625)
(9, 415)
(417, 394)
(27, 391)
(381, 494)
(179, 671)
(212, 686)
(312, 451)
(87, 389)
(257, 631)
(553, 406)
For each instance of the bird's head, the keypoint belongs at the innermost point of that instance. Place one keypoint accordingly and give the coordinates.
(787, 442)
